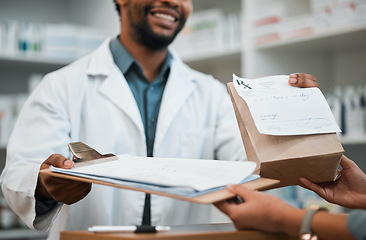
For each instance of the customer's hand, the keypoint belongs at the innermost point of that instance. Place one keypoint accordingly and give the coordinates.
(261, 211)
(349, 190)
(303, 80)
(62, 190)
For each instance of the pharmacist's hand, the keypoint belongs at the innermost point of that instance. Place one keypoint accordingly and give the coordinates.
(62, 190)
(349, 190)
(303, 80)
(259, 211)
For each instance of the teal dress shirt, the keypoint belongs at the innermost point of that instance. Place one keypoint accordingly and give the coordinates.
(148, 95)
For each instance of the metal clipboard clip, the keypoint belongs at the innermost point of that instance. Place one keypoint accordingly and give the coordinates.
(85, 155)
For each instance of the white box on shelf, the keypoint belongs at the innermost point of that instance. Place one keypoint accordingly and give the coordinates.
(6, 118)
(232, 30)
(87, 40)
(343, 14)
(354, 122)
(299, 26)
(322, 14)
(267, 23)
(11, 37)
(316, 4)
(203, 32)
(59, 41)
(335, 105)
(360, 14)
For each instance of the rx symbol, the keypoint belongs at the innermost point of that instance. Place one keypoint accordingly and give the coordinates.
(241, 83)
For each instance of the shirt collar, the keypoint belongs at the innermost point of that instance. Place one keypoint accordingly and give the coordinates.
(124, 60)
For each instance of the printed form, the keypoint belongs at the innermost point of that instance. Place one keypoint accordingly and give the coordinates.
(280, 109)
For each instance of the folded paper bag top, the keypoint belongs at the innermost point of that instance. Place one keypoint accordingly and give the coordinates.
(286, 158)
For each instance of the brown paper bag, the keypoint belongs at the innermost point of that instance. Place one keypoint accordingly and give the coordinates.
(286, 158)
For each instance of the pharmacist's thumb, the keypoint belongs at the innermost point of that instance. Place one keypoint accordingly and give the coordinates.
(57, 160)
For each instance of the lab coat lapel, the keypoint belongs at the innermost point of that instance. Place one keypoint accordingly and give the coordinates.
(116, 89)
(114, 86)
(179, 87)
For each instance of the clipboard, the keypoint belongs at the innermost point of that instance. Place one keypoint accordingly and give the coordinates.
(260, 184)
(85, 155)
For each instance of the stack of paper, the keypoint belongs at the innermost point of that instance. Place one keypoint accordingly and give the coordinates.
(185, 177)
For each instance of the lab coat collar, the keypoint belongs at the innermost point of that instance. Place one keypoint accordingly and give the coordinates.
(101, 62)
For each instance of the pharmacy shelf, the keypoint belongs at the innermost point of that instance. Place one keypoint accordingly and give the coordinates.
(21, 234)
(33, 59)
(353, 141)
(212, 55)
(336, 39)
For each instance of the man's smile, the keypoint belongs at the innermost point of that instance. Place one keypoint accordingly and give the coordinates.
(164, 16)
(167, 15)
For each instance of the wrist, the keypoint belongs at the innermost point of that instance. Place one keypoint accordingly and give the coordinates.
(289, 221)
(306, 231)
(294, 221)
(41, 191)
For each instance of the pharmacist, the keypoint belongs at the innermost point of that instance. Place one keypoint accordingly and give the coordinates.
(132, 95)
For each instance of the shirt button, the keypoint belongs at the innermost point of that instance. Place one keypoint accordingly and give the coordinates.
(153, 120)
(151, 88)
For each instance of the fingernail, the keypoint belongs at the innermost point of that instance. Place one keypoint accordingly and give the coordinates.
(67, 163)
(292, 80)
(302, 179)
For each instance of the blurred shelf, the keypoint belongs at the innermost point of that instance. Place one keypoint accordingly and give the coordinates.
(346, 38)
(21, 233)
(33, 59)
(212, 55)
(353, 141)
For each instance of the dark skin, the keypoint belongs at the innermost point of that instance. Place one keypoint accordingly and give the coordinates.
(151, 60)
(261, 211)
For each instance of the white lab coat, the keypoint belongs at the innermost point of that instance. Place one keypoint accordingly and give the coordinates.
(90, 101)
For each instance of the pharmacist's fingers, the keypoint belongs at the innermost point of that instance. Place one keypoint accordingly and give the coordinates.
(62, 190)
(57, 160)
(303, 80)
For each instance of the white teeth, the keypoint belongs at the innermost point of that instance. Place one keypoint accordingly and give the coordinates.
(165, 17)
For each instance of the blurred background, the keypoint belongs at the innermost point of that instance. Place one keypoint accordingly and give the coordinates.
(251, 38)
